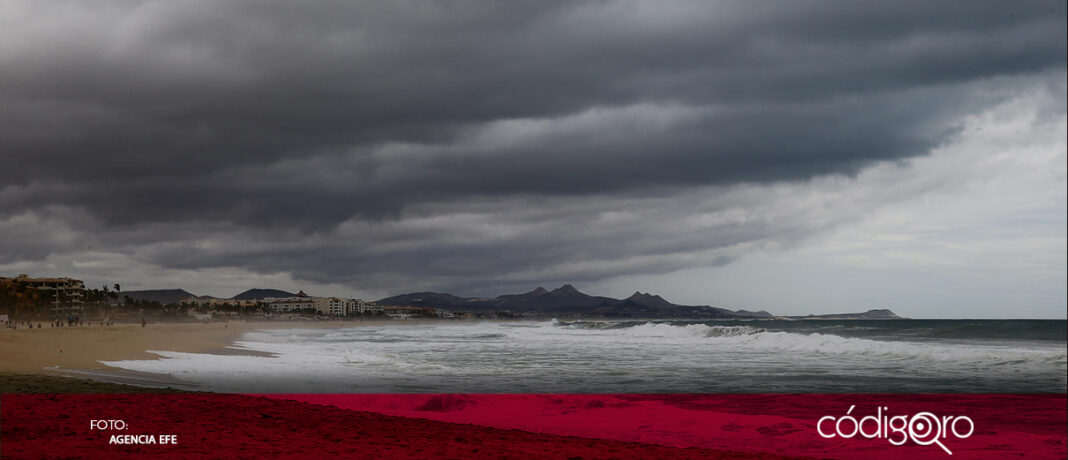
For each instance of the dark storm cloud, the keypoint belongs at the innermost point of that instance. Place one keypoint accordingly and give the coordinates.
(282, 122)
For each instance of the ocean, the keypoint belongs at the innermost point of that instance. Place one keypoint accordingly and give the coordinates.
(759, 356)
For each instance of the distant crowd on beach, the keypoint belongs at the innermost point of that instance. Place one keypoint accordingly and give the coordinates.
(14, 325)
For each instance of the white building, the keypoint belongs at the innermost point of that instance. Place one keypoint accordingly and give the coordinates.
(290, 304)
(68, 293)
(362, 307)
(332, 306)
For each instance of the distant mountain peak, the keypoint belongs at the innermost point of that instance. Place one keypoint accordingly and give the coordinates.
(526, 296)
(260, 293)
(649, 300)
(643, 295)
(538, 291)
(566, 289)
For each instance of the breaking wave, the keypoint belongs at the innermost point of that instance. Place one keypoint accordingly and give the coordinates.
(616, 356)
(761, 340)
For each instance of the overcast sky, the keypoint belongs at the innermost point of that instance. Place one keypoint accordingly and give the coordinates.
(809, 157)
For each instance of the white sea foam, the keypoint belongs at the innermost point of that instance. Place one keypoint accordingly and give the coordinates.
(689, 331)
(556, 356)
(746, 338)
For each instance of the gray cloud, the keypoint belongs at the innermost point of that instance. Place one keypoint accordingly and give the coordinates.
(372, 143)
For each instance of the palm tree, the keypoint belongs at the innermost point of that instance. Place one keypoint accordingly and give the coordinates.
(107, 304)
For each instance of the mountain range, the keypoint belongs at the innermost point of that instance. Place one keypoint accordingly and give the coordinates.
(172, 296)
(163, 296)
(567, 299)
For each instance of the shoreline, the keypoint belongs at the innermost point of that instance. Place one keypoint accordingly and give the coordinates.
(68, 359)
(55, 350)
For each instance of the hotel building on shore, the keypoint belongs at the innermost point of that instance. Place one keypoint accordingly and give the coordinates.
(214, 302)
(331, 306)
(68, 294)
(290, 304)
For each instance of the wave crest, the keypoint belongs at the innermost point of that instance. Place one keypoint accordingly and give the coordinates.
(691, 330)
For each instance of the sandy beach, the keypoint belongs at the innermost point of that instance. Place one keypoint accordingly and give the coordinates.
(43, 360)
(37, 351)
(51, 350)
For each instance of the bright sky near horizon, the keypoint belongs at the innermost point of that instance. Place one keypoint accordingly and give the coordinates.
(827, 157)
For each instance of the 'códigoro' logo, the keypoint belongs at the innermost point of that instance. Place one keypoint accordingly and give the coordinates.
(923, 428)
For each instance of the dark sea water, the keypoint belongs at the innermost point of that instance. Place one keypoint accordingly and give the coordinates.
(759, 356)
(907, 329)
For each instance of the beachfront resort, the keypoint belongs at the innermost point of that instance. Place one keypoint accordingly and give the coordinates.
(67, 300)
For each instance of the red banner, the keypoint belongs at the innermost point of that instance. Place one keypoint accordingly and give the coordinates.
(527, 426)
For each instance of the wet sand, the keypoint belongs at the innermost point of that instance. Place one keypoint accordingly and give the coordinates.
(50, 350)
(56, 354)
(46, 350)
